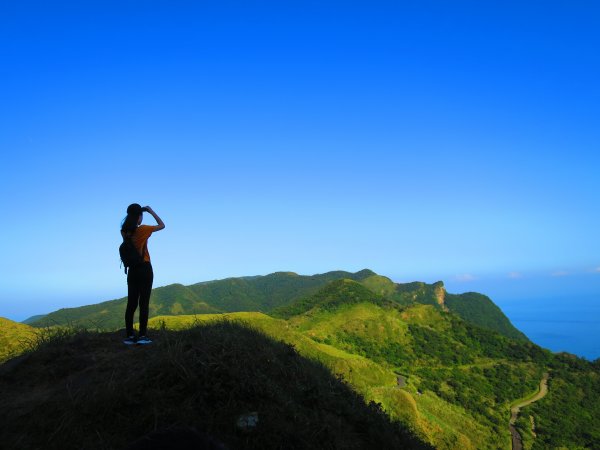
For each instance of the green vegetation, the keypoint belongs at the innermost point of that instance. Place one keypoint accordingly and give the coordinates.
(480, 310)
(333, 295)
(263, 293)
(14, 338)
(259, 293)
(468, 375)
(569, 415)
(524, 426)
(380, 285)
(274, 293)
(362, 373)
(32, 319)
(90, 392)
(447, 366)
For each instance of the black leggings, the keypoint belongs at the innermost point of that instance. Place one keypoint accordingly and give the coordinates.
(139, 288)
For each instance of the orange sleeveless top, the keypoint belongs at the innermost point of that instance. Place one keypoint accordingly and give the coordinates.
(140, 238)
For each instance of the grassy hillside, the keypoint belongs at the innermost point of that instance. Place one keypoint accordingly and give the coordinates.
(14, 338)
(467, 375)
(464, 376)
(375, 381)
(334, 294)
(361, 372)
(477, 371)
(90, 391)
(473, 307)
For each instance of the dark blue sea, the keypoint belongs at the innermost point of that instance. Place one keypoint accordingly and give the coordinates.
(570, 324)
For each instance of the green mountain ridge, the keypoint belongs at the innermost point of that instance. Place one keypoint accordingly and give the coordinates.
(276, 291)
(252, 293)
(332, 295)
(32, 319)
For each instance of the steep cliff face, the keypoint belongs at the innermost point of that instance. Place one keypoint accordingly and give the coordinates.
(439, 291)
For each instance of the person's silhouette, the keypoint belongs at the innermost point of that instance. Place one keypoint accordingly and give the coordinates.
(141, 276)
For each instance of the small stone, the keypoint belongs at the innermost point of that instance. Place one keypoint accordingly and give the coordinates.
(247, 422)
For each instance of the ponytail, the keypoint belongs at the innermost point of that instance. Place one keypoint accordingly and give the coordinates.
(130, 223)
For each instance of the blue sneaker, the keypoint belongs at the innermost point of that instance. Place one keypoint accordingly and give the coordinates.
(130, 340)
(143, 340)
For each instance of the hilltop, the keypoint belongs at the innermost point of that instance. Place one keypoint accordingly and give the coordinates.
(85, 390)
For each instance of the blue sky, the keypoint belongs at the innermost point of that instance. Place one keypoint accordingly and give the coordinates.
(424, 140)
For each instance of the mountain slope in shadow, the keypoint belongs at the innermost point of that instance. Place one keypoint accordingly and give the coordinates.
(87, 390)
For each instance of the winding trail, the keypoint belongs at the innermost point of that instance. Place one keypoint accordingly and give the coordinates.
(514, 412)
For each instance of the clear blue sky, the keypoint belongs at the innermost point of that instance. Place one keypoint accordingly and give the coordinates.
(423, 140)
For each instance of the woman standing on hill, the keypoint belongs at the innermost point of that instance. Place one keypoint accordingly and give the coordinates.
(139, 277)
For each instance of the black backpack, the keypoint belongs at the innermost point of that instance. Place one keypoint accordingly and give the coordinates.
(130, 257)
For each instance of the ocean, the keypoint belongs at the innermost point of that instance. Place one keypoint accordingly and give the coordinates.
(570, 324)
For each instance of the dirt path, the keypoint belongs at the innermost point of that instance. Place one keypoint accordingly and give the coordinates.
(514, 412)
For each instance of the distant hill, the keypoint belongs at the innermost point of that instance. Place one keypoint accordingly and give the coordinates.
(221, 382)
(256, 293)
(14, 338)
(263, 293)
(170, 300)
(479, 309)
(274, 292)
(32, 319)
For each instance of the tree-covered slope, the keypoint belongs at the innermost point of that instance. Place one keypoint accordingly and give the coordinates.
(569, 415)
(479, 309)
